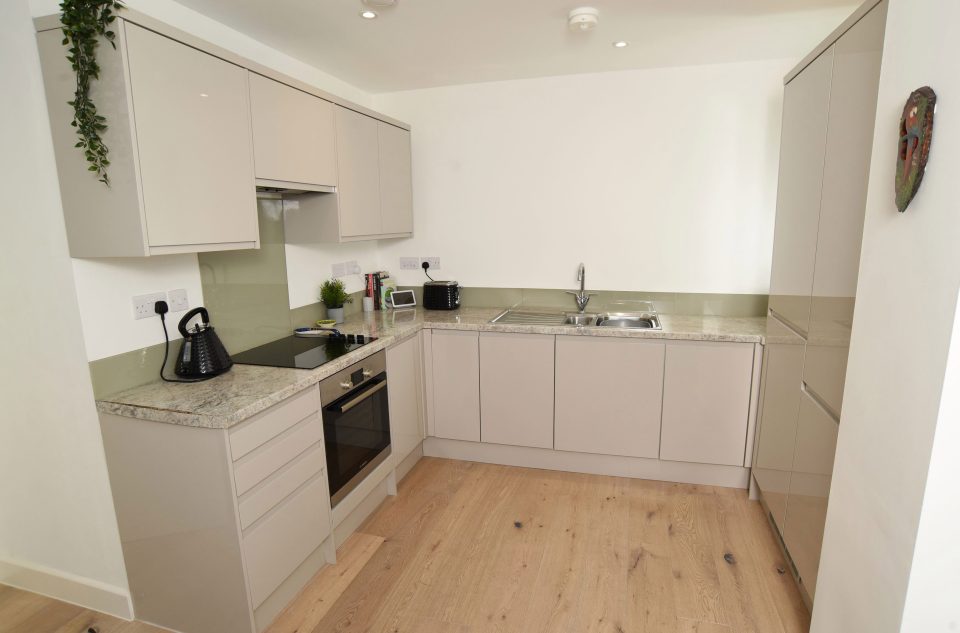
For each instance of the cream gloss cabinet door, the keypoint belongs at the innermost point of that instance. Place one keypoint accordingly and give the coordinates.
(806, 102)
(192, 120)
(456, 385)
(516, 389)
(358, 162)
(608, 395)
(404, 369)
(396, 185)
(706, 402)
(293, 138)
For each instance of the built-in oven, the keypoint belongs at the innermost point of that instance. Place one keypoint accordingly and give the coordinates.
(356, 423)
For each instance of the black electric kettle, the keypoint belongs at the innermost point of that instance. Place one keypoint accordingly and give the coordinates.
(202, 355)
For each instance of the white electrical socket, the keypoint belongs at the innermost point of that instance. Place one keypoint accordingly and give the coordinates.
(410, 263)
(143, 304)
(338, 270)
(434, 262)
(177, 300)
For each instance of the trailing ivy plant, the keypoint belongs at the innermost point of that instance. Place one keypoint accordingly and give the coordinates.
(84, 23)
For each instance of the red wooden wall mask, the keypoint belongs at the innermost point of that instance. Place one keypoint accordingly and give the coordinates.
(916, 134)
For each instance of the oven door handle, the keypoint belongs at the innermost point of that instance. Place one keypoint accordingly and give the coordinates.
(346, 406)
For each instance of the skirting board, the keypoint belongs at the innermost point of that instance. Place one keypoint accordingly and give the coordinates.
(614, 466)
(83, 592)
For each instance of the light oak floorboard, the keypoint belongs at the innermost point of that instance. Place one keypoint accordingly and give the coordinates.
(481, 548)
(25, 612)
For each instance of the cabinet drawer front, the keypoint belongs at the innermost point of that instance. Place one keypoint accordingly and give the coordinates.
(266, 460)
(277, 546)
(266, 425)
(276, 488)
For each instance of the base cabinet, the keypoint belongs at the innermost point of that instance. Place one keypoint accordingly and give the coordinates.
(456, 384)
(516, 389)
(706, 402)
(221, 529)
(405, 395)
(608, 393)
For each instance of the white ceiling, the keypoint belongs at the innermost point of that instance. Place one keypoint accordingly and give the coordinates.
(423, 43)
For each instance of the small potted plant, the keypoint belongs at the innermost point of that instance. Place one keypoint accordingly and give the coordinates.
(333, 295)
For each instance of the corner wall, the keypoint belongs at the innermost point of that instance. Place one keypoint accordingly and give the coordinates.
(660, 180)
(58, 531)
(895, 411)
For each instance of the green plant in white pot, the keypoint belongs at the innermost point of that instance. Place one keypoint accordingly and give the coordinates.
(334, 295)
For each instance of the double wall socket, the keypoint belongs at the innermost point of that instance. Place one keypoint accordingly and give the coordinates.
(414, 263)
(177, 301)
(342, 269)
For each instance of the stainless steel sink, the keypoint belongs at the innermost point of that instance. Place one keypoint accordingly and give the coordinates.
(643, 321)
(625, 320)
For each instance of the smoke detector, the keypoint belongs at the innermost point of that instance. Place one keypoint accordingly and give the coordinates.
(380, 3)
(583, 18)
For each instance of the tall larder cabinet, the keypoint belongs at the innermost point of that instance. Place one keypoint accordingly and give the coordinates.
(828, 122)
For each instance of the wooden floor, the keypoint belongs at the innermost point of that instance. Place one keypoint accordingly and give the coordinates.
(476, 548)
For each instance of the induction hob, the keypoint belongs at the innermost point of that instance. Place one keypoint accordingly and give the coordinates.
(302, 352)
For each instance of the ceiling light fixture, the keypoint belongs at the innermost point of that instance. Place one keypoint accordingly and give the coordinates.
(367, 14)
(621, 44)
(583, 19)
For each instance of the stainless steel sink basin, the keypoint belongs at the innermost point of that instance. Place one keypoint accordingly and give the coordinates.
(576, 318)
(625, 320)
(629, 320)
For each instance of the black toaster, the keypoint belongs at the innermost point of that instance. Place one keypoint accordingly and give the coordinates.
(441, 295)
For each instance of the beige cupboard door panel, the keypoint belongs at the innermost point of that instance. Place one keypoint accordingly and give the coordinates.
(404, 396)
(396, 184)
(358, 160)
(810, 488)
(608, 395)
(516, 389)
(706, 402)
(806, 101)
(853, 103)
(293, 137)
(192, 119)
(777, 435)
(284, 539)
(456, 385)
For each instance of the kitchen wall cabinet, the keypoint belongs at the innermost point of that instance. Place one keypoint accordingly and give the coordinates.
(405, 396)
(806, 511)
(853, 102)
(293, 135)
(221, 528)
(180, 149)
(456, 384)
(803, 140)
(516, 389)
(706, 402)
(396, 180)
(374, 189)
(608, 395)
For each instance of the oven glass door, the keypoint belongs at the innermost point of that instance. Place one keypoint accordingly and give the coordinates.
(356, 430)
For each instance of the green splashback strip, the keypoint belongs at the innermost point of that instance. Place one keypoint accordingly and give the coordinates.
(708, 304)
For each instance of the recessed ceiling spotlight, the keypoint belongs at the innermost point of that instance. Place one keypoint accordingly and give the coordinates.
(583, 18)
(621, 44)
(367, 14)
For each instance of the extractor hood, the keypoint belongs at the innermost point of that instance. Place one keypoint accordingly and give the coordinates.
(280, 188)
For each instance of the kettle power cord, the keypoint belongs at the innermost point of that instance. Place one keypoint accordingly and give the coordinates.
(161, 308)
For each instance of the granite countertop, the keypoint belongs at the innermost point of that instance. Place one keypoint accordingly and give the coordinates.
(246, 390)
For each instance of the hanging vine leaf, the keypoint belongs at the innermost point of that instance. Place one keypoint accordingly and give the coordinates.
(84, 22)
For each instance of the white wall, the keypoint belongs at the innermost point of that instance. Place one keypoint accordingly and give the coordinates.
(57, 522)
(105, 286)
(895, 378)
(659, 180)
(309, 265)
